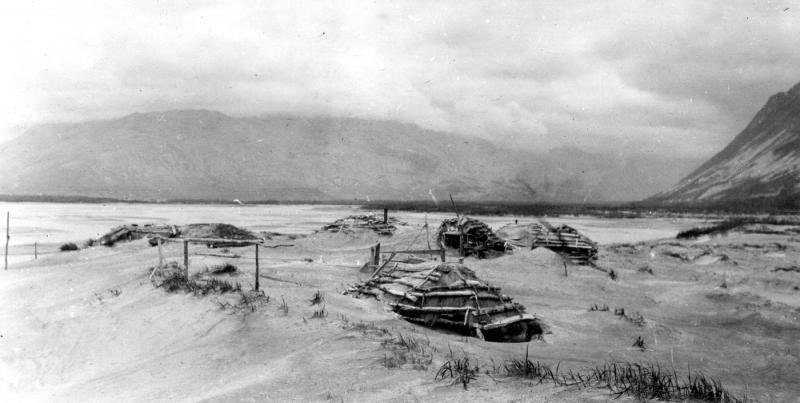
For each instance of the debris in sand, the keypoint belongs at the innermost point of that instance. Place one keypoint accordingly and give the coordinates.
(386, 226)
(472, 237)
(449, 295)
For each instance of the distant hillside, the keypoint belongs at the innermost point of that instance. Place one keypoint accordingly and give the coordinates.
(198, 154)
(760, 166)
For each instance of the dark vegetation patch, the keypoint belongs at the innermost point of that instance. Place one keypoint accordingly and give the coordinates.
(317, 298)
(178, 282)
(732, 223)
(69, 246)
(794, 268)
(225, 268)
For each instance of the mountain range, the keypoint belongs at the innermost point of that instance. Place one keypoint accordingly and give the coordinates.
(207, 155)
(760, 167)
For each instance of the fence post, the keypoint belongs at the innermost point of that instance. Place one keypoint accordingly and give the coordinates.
(385, 215)
(160, 256)
(186, 259)
(377, 258)
(256, 267)
(8, 215)
(35, 251)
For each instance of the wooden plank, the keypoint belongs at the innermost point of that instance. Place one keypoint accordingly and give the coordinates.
(413, 251)
(212, 240)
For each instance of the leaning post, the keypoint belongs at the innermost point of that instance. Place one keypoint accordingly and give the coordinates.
(256, 267)
(186, 259)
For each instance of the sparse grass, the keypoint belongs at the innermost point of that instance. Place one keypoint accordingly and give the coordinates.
(645, 269)
(283, 307)
(640, 381)
(89, 243)
(320, 313)
(317, 298)
(363, 327)
(69, 246)
(407, 350)
(460, 370)
(612, 274)
(249, 302)
(225, 268)
(595, 308)
(639, 343)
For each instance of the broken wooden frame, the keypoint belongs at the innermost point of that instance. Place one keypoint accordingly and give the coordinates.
(187, 241)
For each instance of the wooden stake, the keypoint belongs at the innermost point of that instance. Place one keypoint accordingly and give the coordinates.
(160, 255)
(8, 218)
(35, 251)
(186, 258)
(256, 267)
(565, 269)
(428, 234)
(385, 215)
(441, 251)
(377, 258)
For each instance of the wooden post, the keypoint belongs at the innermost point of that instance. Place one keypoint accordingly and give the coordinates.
(35, 251)
(385, 215)
(377, 257)
(186, 259)
(160, 255)
(256, 267)
(460, 240)
(8, 215)
(428, 234)
(441, 245)
(565, 269)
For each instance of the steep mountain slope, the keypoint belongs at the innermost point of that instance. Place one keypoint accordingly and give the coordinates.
(762, 164)
(197, 154)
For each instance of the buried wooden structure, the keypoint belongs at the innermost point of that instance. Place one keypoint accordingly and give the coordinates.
(566, 241)
(470, 237)
(386, 226)
(450, 296)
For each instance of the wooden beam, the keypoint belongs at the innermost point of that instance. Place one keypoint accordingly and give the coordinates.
(413, 251)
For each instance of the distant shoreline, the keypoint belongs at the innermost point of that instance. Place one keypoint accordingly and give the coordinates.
(608, 210)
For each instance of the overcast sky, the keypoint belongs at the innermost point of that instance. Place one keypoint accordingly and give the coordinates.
(670, 77)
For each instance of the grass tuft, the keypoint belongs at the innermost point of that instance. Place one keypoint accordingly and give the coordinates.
(224, 269)
(317, 298)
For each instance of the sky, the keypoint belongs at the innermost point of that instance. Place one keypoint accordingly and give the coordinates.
(674, 78)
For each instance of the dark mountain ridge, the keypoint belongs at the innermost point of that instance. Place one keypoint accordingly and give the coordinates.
(761, 166)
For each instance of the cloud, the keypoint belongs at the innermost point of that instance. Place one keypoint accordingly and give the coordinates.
(676, 78)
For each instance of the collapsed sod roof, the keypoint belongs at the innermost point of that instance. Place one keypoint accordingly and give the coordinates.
(449, 295)
(478, 239)
(563, 239)
(350, 223)
(212, 231)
